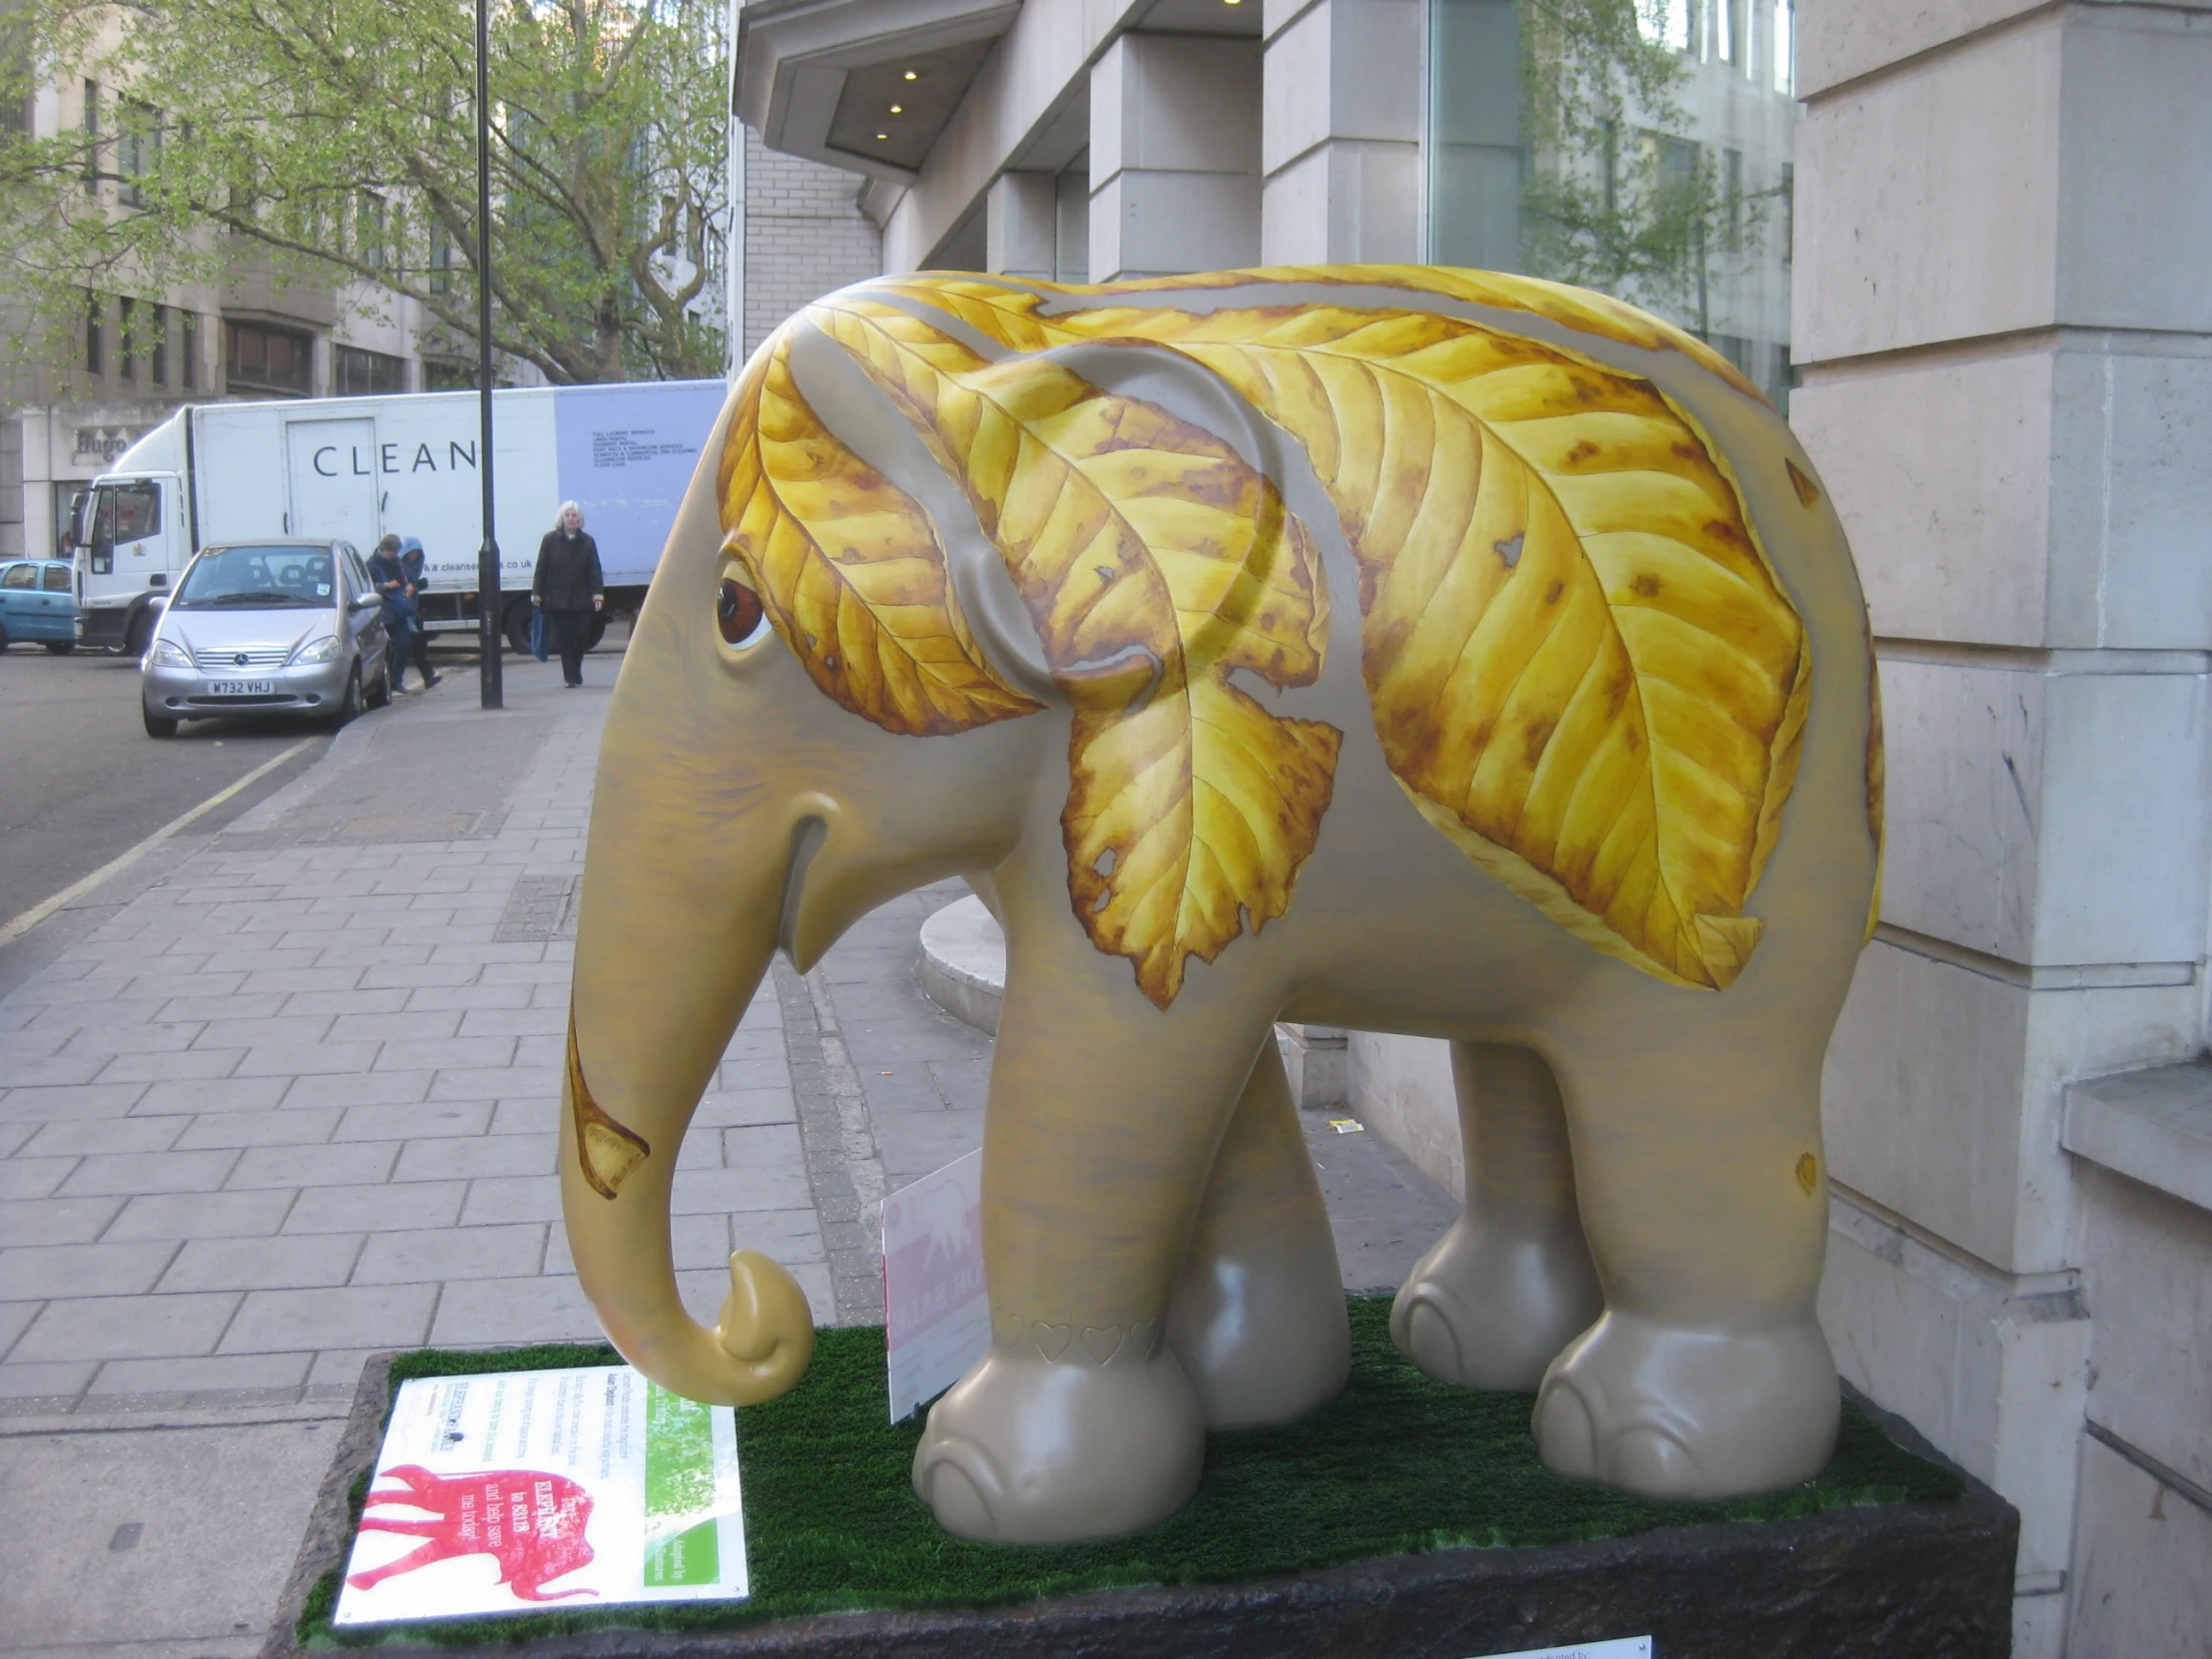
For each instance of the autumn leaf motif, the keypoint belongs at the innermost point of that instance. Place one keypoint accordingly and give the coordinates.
(1583, 669)
(848, 568)
(1154, 563)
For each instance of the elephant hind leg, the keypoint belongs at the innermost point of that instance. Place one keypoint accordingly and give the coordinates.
(1699, 1170)
(1511, 1283)
(1258, 1315)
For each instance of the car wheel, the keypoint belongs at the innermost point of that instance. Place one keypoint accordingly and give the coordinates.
(353, 704)
(598, 630)
(156, 727)
(517, 620)
(60, 648)
(5, 642)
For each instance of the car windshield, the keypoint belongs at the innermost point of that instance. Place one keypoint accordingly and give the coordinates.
(242, 577)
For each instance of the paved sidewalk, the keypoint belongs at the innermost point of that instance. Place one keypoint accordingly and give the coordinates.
(295, 1102)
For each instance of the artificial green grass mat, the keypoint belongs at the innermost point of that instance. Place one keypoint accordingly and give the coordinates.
(1399, 1465)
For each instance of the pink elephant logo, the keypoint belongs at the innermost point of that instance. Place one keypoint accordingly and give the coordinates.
(531, 1522)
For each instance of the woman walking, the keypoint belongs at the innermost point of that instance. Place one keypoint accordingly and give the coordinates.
(568, 588)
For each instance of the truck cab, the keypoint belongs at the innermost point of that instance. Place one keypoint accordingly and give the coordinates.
(130, 538)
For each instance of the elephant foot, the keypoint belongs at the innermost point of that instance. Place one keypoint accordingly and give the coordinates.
(1263, 1338)
(1027, 1450)
(1669, 1413)
(1489, 1309)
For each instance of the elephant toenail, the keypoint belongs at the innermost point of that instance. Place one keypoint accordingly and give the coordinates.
(1652, 1461)
(957, 1502)
(1565, 1438)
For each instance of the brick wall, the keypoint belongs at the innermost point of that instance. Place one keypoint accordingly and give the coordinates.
(804, 236)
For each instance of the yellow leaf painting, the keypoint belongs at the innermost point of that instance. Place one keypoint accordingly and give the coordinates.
(1582, 667)
(848, 568)
(1154, 563)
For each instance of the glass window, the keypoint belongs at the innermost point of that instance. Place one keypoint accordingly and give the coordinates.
(137, 151)
(95, 340)
(357, 573)
(270, 360)
(157, 354)
(445, 377)
(20, 576)
(1644, 151)
(127, 512)
(187, 350)
(242, 578)
(358, 374)
(92, 138)
(54, 578)
(126, 338)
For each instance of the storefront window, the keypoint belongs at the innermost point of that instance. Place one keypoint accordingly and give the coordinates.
(1642, 148)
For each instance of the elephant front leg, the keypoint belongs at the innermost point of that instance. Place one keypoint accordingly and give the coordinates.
(1257, 1315)
(1510, 1284)
(1080, 1422)
(1698, 1167)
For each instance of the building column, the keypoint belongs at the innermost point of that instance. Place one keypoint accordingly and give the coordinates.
(1341, 147)
(2006, 336)
(1175, 156)
(1021, 225)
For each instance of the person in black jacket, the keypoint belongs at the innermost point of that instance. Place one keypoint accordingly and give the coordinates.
(569, 588)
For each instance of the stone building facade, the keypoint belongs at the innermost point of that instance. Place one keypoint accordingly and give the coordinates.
(1997, 219)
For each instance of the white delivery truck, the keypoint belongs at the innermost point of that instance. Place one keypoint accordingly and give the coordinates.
(358, 467)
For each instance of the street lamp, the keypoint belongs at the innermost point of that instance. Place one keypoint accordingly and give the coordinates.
(490, 690)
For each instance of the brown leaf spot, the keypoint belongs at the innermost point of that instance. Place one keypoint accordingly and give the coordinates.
(1726, 530)
(1583, 450)
(1646, 585)
(1534, 736)
(1808, 1173)
(1808, 493)
(1552, 593)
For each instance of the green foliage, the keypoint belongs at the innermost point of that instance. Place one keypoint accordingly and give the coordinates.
(324, 141)
(1613, 199)
(1399, 1465)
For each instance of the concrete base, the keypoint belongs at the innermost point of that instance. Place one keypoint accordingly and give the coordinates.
(962, 966)
(1930, 1581)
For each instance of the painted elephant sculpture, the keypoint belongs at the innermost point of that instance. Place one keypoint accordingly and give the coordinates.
(1403, 649)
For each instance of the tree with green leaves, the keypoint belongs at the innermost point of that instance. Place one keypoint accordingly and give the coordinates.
(332, 142)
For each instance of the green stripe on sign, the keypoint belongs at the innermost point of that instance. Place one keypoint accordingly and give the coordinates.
(680, 1482)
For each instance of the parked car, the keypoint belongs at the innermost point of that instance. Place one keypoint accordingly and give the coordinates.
(38, 601)
(268, 628)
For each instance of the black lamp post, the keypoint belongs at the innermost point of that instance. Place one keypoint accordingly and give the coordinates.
(489, 684)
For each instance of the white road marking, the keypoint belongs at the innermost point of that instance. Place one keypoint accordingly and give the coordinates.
(37, 913)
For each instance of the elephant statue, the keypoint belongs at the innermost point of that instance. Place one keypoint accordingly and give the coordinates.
(1396, 648)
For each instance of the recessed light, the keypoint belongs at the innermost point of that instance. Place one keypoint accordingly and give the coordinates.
(898, 109)
(882, 135)
(912, 75)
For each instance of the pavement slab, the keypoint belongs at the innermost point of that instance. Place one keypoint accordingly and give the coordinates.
(294, 1099)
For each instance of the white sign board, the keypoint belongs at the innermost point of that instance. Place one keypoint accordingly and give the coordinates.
(1624, 1647)
(936, 1319)
(517, 1490)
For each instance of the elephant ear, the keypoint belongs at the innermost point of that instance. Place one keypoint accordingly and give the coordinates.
(849, 567)
(1583, 669)
(1154, 563)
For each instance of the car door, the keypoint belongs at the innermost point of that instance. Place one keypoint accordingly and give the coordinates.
(364, 623)
(18, 597)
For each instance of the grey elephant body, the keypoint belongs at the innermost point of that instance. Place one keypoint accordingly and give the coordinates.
(1646, 1207)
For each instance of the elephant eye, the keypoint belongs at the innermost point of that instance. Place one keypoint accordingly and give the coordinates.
(738, 612)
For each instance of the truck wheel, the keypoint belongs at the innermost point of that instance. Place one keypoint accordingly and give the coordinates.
(139, 635)
(598, 630)
(517, 621)
(156, 727)
(60, 648)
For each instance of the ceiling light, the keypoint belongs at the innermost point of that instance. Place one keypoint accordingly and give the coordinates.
(912, 75)
(882, 135)
(898, 109)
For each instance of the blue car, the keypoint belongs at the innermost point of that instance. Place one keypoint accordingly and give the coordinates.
(38, 601)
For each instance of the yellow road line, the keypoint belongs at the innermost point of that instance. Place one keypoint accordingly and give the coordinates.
(37, 913)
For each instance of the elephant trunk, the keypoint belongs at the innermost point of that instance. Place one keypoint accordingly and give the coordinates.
(681, 912)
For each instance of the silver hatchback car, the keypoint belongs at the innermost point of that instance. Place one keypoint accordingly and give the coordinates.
(268, 628)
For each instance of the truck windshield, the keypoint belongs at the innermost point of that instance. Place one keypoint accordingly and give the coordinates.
(126, 512)
(239, 577)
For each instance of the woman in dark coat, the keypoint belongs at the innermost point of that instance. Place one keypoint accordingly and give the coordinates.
(569, 588)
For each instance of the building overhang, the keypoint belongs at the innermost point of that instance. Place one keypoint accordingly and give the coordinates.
(864, 85)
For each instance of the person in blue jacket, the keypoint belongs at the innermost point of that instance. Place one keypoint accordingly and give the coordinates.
(390, 577)
(411, 561)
